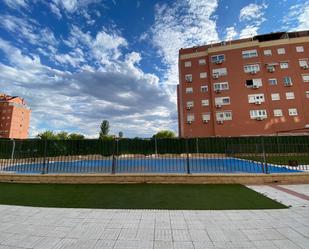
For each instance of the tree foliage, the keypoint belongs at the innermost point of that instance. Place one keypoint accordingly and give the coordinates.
(104, 129)
(63, 135)
(164, 134)
(47, 135)
(76, 136)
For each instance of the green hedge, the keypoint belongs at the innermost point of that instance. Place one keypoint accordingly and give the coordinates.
(40, 148)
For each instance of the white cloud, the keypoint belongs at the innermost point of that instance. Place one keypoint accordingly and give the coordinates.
(297, 18)
(182, 24)
(231, 33)
(15, 4)
(55, 10)
(252, 12)
(252, 16)
(28, 29)
(73, 5)
(248, 31)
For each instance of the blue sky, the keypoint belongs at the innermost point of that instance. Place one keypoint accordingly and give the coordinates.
(77, 62)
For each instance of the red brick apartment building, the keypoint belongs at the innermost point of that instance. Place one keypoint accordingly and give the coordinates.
(14, 117)
(255, 86)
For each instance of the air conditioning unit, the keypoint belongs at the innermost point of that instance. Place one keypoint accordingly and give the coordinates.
(219, 62)
(215, 76)
(255, 86)
(253, 72)
(305, 67)
(218, 105)
(258, 102)
(205, 121)
(288, 84)
(259, 118)
(218, 91)
(219, 121)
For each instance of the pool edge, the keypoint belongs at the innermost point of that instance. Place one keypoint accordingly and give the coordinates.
(281, 178)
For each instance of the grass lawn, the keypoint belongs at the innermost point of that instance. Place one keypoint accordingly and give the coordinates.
(135, 196)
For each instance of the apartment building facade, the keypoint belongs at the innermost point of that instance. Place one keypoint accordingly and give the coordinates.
(247, 87)
(14, 117)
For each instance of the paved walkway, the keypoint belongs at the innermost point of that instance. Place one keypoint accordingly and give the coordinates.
(27, 227)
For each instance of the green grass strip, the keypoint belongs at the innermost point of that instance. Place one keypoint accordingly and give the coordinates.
(136, 196)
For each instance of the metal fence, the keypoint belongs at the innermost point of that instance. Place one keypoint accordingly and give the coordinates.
(186, 156)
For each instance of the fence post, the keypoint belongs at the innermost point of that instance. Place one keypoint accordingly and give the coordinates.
(196, 144)
(44, 156)
(187, 152)
(264, 156)
(114, 158)
(13, 149)
(156, 145)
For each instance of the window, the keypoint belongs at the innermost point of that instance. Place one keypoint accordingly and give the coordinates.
(216, 73)
(305, 77)
(190, 118)
(222, 101)
(278, 113)
(267, 52)
(189, 90)
(190, 104)
(289, 95)
(271, 67)
(299, 49)
(188, 77)
(272, 81)
(284, 65)
(252, 68)
(204, 89)
(218, 58)
(205, 102)
(275, 96)
(287, 81)
(203, 75)
(249, 53)
(258, 114)
(206, 116)
(293, 112)
(224, 116)
(221, 86)
(307, 94)
(202, 61)
(254, 83)
(303, 63)
(187, 63)
(281, 50)
(256, 98)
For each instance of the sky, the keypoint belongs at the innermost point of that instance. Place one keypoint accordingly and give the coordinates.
(78, 62)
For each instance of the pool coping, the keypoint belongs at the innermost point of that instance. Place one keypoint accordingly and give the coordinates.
(196, 178)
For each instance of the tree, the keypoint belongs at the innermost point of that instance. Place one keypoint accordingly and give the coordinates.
(164, 134)
(47, 135)
(120, 134)
(62, 135)
(104, 129)
(76, 136)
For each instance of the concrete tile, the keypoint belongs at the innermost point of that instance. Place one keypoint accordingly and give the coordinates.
(163, 245)
(163, 234)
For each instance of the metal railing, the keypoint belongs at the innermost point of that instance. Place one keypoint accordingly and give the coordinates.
(184, 156)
